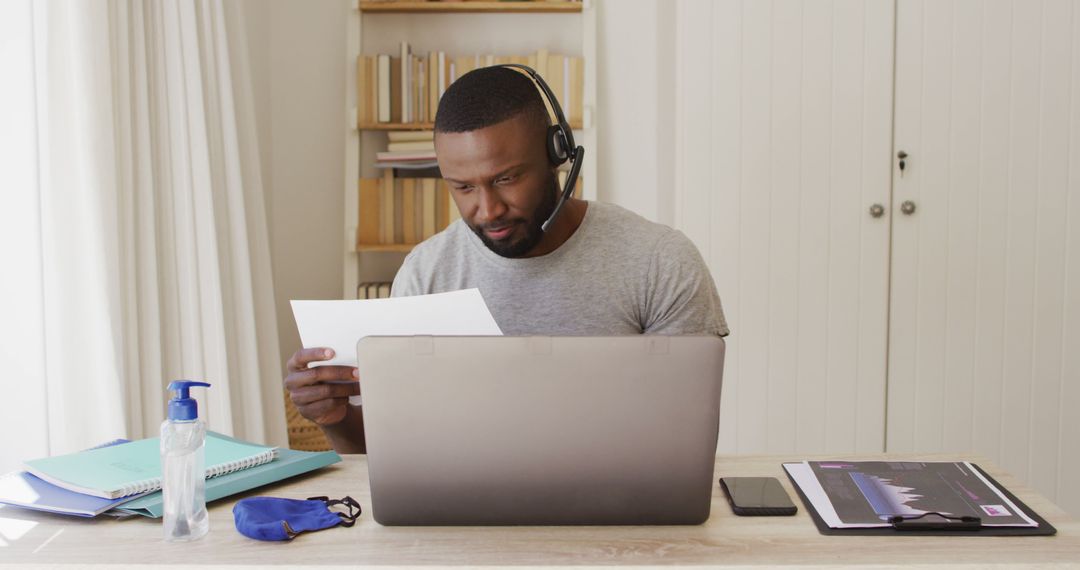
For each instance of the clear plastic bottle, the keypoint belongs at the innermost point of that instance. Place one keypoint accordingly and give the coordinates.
(183, 467)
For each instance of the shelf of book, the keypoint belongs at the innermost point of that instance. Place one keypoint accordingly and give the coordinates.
(557, 38)
(460, 7)
(395, 214)
(403, 88)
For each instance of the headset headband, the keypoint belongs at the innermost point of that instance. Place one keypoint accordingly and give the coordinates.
(563, 137)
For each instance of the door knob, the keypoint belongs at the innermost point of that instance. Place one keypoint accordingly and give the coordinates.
(907, 207)
(877, 210)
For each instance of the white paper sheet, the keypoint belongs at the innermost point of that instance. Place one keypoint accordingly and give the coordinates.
(340, 324)
(804, 477)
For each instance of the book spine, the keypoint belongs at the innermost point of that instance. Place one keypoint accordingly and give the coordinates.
(429, 207)
(399, 211)
(395, 90)
(422, 89)
(405, 61)
(408, 207)
(361, 90)
(386, 207)
(411, 136)
(367, 232)
(384, 88)
(442, 80)
(372, 74)
(576, 104)
(432, 84)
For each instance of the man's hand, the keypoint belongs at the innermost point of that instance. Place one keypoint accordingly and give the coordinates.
(322, 403)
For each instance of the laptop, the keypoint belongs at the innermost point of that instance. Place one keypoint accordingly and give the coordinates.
(541, 430)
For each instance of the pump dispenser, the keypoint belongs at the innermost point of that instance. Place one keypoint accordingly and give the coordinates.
(183, 466)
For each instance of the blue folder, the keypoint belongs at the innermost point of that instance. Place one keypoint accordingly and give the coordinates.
(25, 490)
(22, 489)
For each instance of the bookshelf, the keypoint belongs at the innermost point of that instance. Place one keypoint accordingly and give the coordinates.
(456, 27)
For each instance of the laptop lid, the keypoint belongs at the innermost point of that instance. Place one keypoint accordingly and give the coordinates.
(541, 430)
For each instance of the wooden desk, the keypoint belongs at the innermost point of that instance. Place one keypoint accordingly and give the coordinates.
(725, 540)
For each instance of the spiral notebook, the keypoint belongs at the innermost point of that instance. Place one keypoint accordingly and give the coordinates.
(135, 467)
(288, 463)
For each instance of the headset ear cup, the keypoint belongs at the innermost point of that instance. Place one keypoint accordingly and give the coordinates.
(557, 145)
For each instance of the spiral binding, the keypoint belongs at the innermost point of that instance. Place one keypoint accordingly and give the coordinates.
(154, 483)
(233, 466)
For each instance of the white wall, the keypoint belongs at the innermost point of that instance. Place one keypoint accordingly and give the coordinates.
(635, 46)
(295, 48)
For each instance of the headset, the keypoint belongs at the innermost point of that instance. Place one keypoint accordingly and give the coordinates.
(560, 142)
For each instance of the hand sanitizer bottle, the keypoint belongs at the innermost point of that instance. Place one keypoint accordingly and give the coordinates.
(183, 466)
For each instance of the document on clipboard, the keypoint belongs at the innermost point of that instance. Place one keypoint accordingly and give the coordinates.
(884, 494)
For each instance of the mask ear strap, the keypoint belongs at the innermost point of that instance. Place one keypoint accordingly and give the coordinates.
(349, 503)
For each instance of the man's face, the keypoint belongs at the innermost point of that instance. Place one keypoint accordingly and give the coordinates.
(501, 181)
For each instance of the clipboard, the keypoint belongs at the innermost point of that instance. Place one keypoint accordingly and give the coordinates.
(1043, 529)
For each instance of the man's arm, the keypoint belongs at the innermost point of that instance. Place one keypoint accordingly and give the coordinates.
(681, 298)
(347, 436)
(327, 404)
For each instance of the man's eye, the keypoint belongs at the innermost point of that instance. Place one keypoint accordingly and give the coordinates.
(505, 180)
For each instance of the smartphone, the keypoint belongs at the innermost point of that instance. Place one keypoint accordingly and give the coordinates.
(757, 496)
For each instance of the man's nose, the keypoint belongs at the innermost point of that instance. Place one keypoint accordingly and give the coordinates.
(491, 206)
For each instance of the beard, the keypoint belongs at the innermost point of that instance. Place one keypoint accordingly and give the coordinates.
(533, 232)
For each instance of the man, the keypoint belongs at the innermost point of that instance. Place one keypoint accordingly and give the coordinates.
(597, 270)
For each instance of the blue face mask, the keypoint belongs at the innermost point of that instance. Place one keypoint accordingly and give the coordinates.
(273, 518)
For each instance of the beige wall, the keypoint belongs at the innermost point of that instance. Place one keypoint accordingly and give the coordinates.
(298, 75)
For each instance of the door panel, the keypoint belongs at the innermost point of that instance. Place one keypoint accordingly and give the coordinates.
(783, 142)
(984, 280)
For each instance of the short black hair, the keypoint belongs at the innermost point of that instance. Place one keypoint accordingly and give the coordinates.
(488, 96)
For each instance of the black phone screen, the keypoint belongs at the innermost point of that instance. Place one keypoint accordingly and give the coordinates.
(757, 495)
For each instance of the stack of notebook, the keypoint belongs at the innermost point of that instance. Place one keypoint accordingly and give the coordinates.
(126, 476)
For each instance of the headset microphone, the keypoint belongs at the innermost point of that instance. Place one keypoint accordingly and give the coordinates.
(560, 143)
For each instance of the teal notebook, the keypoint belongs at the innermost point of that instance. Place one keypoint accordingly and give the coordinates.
(135, 467)
(288, 463)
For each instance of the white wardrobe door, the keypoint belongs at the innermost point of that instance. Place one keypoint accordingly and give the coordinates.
(985, 315)
(783, 143)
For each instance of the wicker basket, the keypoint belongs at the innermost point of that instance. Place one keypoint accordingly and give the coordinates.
(304, 435)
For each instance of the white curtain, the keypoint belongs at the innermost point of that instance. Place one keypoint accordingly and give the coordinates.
(132, 229)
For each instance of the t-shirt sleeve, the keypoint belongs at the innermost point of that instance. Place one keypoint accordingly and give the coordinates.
(681, 298)
(407, 282)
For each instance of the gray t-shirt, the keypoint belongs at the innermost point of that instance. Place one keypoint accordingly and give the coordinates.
(618, 274)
